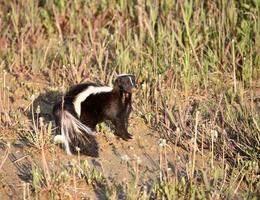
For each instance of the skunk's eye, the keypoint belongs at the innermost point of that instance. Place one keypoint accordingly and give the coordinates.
(118, 81)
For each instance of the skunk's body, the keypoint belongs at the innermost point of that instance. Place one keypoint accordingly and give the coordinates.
(86, 105)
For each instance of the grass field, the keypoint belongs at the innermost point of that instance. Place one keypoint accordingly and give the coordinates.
(197, 64)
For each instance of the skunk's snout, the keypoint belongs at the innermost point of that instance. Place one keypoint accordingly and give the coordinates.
(131, 88)
(134, 88)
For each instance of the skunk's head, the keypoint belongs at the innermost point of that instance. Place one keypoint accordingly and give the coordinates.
(125, 82)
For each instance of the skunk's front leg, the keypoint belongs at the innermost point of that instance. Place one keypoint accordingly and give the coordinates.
(121, 129)
(128, 106)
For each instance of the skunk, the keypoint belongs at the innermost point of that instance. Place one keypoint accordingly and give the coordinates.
(85, 105)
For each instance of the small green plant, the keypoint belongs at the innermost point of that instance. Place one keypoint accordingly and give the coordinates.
(41, 135)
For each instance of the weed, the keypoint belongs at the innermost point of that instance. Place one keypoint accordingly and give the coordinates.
(189, 57)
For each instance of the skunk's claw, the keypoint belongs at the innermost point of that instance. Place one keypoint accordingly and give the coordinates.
(127, 136)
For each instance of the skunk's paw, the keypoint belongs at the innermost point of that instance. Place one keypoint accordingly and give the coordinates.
(127, 136)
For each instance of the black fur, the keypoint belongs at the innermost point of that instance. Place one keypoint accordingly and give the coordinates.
(114, 106)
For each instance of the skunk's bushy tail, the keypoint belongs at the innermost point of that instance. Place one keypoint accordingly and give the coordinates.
(71, 130)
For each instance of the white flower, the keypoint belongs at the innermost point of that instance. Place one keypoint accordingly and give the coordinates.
(162, 142)
(125, 158)
(138, 159)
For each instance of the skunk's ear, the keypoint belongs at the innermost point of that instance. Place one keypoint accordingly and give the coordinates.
(117, 81)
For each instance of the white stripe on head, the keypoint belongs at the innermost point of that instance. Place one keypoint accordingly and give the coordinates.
(87, 92)
(130, 78)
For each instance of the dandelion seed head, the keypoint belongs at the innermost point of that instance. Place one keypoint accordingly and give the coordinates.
(162, 142)
(41, 121)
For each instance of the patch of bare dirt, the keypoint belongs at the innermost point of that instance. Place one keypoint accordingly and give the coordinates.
(16, 171)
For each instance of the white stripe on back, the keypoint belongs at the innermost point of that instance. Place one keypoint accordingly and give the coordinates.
(87, 92)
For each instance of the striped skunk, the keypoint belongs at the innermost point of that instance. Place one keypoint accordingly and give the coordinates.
(85, 105)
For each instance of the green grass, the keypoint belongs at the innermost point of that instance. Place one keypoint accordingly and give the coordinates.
(188, 56)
